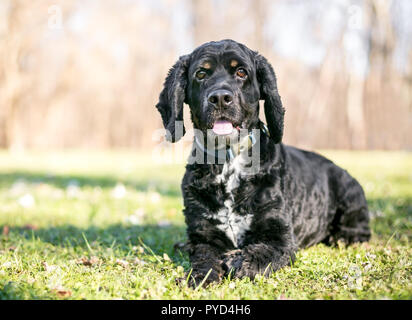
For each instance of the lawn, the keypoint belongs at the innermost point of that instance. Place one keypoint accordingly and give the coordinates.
(79, 225)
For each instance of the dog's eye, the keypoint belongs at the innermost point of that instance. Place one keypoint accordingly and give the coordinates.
(200, 74)
(241, 73)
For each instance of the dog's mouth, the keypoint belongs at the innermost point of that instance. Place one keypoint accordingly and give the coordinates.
(224, 127)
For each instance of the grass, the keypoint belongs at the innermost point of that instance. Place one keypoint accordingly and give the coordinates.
(79, 225)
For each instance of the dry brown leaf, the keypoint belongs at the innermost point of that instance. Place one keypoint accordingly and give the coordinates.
(62, 292)
(88, 261)
(122, 263)
(6, 230)
(45, 265)
(49, 268)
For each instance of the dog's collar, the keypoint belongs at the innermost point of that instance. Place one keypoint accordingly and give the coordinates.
(232, 151)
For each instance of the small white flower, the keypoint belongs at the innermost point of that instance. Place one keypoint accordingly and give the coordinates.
(138, 261)
(122, 263)
(373, 214)
(119, 191)
(162, 289)
(133, 219)
(26, 201)
(50, 268)
(136, 218)
(154, 197)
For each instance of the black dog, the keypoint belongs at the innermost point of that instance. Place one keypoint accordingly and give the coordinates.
(248, 224)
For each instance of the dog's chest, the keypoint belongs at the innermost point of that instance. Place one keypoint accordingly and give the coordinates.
(231, 222)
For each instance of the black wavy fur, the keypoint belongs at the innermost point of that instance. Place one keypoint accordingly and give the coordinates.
(297, 199)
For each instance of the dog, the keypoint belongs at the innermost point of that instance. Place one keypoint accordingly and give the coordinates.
(247, 224)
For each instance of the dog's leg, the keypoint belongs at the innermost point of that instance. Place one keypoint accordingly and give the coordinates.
(351, 221)
(205, 262)
(273, 249)
(259, 258)
(350, 226)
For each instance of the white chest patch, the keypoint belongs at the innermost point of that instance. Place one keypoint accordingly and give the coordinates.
(231, 223)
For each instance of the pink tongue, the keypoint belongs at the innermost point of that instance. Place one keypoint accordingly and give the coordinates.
(222, 127)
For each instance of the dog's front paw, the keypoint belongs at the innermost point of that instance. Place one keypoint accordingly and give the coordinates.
(232, 261)
(197, 278)
(237, 264)
(247, 269)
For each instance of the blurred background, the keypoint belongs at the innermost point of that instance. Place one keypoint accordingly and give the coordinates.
(87, 74)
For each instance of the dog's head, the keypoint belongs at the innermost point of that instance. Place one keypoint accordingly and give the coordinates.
(222, 82)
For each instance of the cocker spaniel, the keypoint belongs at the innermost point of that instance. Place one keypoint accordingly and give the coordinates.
(249, 215)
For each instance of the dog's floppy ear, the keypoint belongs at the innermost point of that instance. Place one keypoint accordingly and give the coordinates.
(171, 99)
(274, 110)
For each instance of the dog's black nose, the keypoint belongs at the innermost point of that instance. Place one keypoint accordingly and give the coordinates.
(220, 98)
